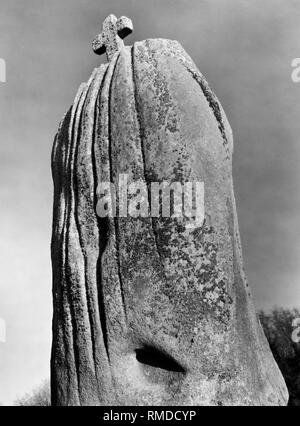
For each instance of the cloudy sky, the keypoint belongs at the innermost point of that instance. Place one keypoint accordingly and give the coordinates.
(243, 47)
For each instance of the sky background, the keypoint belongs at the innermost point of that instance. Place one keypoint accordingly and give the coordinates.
(243, 47)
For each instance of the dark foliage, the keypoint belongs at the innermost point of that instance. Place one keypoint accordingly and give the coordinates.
(278, 327)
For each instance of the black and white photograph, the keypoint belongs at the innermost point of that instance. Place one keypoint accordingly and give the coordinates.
(150, 206)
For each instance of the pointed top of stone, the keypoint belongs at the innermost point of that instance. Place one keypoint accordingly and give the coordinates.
(110, 39)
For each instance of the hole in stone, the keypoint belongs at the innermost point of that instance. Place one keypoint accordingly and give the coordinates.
(103, 225)
(155, 358)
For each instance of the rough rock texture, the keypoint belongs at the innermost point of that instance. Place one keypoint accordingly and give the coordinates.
(148, 310)
(110, 39)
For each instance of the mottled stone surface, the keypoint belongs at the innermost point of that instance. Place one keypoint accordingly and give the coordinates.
(110, 39)
(147, 310)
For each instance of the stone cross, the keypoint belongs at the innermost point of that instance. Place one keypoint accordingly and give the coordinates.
(113, 31)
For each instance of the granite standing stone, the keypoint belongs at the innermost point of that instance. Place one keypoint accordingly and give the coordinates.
(147, 310)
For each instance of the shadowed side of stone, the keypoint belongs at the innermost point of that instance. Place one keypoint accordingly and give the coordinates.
(147, 310)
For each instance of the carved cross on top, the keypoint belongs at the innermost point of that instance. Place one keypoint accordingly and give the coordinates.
(113, 31)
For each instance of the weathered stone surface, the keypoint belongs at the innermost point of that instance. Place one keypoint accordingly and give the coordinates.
(147, 310)
(110, 39)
